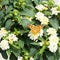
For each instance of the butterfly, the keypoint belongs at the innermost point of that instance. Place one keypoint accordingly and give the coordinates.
(35, 29)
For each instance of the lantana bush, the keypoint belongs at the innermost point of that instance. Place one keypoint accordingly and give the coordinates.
(29, 29)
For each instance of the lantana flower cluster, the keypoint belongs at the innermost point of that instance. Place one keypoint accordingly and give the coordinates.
(53, 38)
(4, 44)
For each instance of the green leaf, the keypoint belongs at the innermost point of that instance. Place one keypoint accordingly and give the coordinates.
(38, 57)
(58, 54)
(47, 13)
(1, 15)
(8, 52)
(8, 24)
(37, 1)
(28, 1)
(54, 23)
(59, 50)
(5, 2)
(35, 43)
(9, 8)
(50, 56)
(27, 12)
(15, 51)
(21, 43)
(16, 46)
(32, 51)
(25, 23)
(41, 39)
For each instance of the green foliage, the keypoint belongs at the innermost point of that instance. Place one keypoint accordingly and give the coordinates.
(15, 16)
(54, 23)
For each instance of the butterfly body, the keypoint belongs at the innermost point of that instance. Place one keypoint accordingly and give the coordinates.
(35, 29)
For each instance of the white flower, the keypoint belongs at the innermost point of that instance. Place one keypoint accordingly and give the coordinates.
(20, 58)
(35, 36)
(39, 15)
(31, 58)
(1, 57)
(57, 2)
(12, 37)
(3, 32)
(41, 33)
(1, 35)
(41, 7)
(4, 45)
(43, 19)
(32, 36)
(54, 38)
(53, 47)
(59, 27)
(55, 11)
(51, 31)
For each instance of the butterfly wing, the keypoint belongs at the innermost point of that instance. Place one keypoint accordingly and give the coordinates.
(35, 29)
